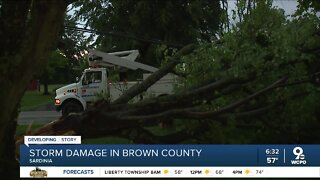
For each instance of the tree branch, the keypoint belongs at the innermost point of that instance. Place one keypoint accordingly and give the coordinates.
(210, 114)
(139, 88)
(177, 104)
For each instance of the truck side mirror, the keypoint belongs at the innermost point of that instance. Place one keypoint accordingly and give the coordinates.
(77, 79)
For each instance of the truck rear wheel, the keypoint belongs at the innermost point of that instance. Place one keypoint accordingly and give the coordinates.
(71, 107)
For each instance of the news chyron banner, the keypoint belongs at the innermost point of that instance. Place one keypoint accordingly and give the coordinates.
(66, 157)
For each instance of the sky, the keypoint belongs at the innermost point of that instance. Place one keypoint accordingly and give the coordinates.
(289, 6)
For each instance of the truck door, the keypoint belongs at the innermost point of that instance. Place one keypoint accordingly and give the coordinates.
(91, 85)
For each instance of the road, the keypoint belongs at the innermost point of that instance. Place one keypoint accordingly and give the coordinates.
(38, 117)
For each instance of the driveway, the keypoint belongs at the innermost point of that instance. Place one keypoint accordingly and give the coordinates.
(38, 117)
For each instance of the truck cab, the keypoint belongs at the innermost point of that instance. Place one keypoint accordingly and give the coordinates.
(75, 97)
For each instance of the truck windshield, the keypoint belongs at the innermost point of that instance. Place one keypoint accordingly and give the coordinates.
(92, 77)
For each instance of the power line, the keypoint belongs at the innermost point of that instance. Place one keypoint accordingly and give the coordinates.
(122, 35)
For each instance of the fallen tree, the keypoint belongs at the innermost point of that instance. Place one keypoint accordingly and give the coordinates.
(128, 120)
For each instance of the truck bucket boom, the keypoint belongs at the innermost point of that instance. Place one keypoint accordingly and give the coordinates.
(126, 60)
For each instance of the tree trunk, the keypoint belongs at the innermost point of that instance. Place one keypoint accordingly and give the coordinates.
(139, 88)
(9, 166)
(26, 43)
(45, 82)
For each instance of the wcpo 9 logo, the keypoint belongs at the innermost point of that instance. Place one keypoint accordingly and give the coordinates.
(300, 157)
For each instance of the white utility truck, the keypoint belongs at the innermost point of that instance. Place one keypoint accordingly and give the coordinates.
(94, 81)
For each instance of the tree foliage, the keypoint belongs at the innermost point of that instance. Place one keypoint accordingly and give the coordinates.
(308, 5)
(56, 70)
(172, 22)
(73, 43)
(261, 49)
(57, 67)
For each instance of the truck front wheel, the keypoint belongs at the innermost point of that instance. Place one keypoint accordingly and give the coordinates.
(71, 107)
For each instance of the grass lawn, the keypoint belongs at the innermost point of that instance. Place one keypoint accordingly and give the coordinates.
(21, 129)
(33, 99)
